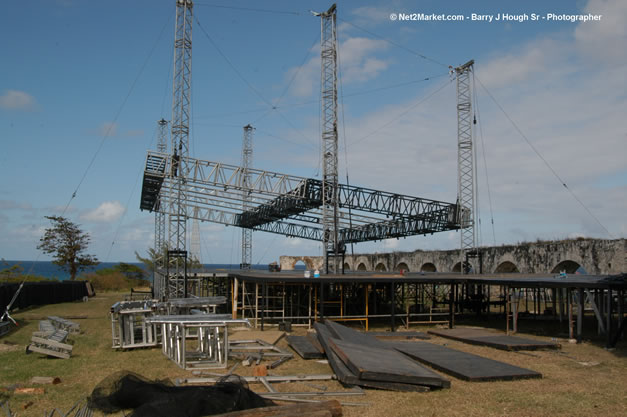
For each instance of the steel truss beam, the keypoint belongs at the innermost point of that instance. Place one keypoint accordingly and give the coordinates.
(290, 205)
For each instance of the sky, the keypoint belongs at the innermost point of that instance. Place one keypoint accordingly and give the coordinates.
(83, 84)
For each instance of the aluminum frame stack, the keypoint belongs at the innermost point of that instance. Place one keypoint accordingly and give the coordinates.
(198, 341)
(129, 329)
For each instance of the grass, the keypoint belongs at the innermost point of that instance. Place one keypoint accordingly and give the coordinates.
(579, 380)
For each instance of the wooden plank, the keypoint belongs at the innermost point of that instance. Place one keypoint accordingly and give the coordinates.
(385, 364)
(303, 346)
(492, 339)
(462, 365)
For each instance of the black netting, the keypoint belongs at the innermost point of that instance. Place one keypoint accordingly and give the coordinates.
(126, 390)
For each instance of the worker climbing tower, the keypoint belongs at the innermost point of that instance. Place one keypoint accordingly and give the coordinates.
(466, 165)
(181, 100)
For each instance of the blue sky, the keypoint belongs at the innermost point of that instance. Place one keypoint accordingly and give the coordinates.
(88, 80)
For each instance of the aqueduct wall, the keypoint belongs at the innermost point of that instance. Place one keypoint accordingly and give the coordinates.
(595, 256)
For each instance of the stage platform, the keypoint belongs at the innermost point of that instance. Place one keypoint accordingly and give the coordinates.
(492, 339)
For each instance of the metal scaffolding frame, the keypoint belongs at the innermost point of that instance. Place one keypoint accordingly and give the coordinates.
(289, 205)
(181, 100)
(183, 187)
(466, 162)
(247, 162)
(328, 81)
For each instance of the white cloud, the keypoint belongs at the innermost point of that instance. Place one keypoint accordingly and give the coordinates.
(357, 61)
(108, 211)
(17, 100)
(108, 129)
(605, 39)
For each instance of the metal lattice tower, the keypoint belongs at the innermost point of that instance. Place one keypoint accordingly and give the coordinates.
(160, 216)
(181, 99)
(466, 165)
(247, 161)
(328, 78)
(194, 250)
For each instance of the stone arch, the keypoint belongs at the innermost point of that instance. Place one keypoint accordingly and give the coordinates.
(403, 266)
(428, 267)
(570, 267)
(506, 267)
(347, 267)
(306, 260)
(380, 267)
(361, 267)
(457, 267)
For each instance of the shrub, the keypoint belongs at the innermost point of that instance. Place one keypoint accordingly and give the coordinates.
(113, 281)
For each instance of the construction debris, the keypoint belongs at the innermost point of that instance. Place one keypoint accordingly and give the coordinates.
(45, 380)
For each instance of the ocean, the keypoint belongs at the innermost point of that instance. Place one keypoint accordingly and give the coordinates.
(49, 270)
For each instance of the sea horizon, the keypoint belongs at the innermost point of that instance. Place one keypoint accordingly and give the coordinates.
(47, 269)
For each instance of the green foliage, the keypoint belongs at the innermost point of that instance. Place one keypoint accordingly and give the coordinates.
(108, 279)
(130, 271)
(16, 274)
(153, 255)
(67, 243)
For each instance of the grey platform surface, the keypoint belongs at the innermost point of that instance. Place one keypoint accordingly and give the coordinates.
(493, 339)
(303, 346)
(385, 364)
(462, 365)
(346, 376)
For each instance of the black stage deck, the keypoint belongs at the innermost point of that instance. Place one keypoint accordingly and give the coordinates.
(346, 376)
(493, 339)
(304, 347)
(462, 365)
(400, 335)
(516, 280)
(372, 359)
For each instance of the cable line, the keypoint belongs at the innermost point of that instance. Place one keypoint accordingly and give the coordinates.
(250, 86)
(555, 174)
(117, 115)
(411, 51)
(485, 160)
(248, 9)
(410, 108)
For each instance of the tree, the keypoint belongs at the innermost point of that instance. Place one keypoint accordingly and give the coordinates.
(67, 242)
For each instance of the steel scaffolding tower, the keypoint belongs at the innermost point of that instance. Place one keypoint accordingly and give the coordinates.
(181, 99)
(160, 216)
(194, 244)
(328, 78)
(321, 210)
(466, 165)
(247, 161)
